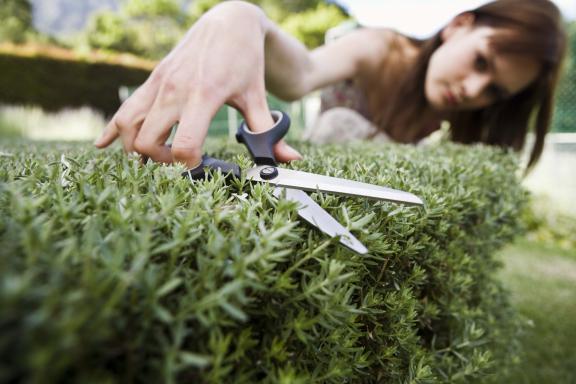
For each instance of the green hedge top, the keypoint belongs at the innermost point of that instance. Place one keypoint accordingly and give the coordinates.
(115, 272)
(55, 78)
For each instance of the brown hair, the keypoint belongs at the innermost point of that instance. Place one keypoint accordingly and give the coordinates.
(540, 34)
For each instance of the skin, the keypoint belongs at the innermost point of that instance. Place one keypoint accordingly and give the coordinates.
(205, 71)
(192, 83)
(466, 73)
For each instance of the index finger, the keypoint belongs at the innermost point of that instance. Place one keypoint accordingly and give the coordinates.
(127, 121)
(192, 130)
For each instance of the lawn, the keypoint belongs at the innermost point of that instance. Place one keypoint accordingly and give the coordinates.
(542, 280)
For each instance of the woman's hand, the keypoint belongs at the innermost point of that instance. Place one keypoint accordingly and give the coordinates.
(220, 61)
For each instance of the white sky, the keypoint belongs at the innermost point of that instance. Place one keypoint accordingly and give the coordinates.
(422, 18)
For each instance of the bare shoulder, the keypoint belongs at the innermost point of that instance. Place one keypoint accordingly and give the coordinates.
(372, 45)
(375, 36)
(358, 52)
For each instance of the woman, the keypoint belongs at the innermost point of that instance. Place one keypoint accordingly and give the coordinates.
(490, 72)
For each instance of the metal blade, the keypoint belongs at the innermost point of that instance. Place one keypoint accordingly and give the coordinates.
(311, 182)
(317, 216)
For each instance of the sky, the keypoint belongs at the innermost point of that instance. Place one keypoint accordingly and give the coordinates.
(422, 18)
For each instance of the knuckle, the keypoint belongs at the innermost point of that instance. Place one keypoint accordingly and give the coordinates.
(157, 75)
(170, 92)
(143, 146)
(183, 152)
(123, 121)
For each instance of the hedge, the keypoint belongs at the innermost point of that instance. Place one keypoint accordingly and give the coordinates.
(112, 271)
(54, 78)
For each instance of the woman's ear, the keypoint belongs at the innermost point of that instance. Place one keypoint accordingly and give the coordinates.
(462, 22)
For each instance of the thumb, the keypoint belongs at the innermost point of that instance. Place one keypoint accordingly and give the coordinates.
(285, 153)
(108, 136)
(260, 120)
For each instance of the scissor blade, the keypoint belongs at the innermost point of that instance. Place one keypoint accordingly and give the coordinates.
(317, 216)
(312, 182)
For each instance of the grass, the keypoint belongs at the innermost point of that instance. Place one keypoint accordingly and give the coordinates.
(542, 279)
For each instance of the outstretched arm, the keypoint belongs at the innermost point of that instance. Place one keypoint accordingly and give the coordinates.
(215, 65)
(292, 71)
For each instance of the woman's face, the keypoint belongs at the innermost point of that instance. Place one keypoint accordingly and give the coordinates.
(466, 73)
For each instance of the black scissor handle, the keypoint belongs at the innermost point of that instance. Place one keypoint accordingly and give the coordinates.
(199, 173)
(260, 144)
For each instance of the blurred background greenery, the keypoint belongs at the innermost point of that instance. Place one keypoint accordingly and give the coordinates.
(63, 74)
(147, 28)
(51, 51)
(50, 65)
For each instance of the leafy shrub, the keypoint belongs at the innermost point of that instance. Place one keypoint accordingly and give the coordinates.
(115, 272)
(16, 16)
(146, 28)
(311, 25)
(55, 82)
(546, 224)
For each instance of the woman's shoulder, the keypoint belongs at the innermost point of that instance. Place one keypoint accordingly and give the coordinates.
(380, 39)
(380, 44)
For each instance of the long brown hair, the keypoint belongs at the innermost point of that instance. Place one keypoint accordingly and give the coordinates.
(540, 34)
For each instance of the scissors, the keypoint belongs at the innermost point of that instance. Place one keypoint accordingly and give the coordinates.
(293, 185)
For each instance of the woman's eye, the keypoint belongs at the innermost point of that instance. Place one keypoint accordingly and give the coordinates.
(480, 63)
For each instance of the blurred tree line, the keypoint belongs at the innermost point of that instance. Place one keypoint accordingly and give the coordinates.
(16, 17)
(150, 28)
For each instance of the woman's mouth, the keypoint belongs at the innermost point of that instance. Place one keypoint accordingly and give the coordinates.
(450, 98)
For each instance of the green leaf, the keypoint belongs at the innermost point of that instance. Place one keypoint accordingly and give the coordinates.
(194, 359)
(168, 287)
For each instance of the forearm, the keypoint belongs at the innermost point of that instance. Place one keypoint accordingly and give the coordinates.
(287, 63)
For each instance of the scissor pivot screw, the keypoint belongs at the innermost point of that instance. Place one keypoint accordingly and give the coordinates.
(269, 173)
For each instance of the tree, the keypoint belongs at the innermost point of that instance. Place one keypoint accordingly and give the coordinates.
(307, 20)
(152, 27)
(148, 28)
(108, 30)
(16, 16)
(310, 26)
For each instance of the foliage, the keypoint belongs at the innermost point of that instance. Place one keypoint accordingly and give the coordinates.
(117, 272)
(56, 81)
(152, 27)
(107, 30)
(200, 7)
(153, 8)
(307, 20)
(548, 226)
(541, 279)
(279, 10)
(310, 26)
(16, 16)
(565, 118)
(145, 27)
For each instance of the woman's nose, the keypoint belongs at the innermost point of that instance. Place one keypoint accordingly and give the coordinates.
(475, 85)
